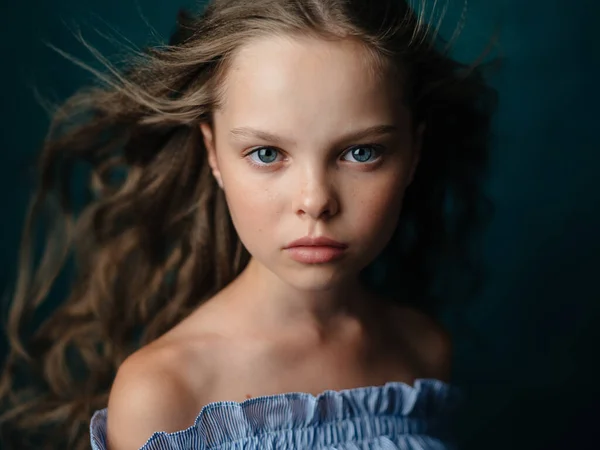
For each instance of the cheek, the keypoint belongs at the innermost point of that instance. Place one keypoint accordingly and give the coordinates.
(377, 207)
(253, 211)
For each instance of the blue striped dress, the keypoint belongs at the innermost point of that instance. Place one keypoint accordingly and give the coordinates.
(395, 416)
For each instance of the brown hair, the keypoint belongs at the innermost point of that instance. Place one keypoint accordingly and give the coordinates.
(154, 239)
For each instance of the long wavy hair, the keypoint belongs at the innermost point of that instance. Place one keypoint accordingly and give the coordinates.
(148, 236)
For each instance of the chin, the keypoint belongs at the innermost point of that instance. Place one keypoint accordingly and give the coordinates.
(315, 278)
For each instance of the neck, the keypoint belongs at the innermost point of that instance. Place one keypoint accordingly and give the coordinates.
(275, 304)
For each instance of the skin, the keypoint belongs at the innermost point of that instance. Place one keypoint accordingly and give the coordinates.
(284, 326)
(314, 187)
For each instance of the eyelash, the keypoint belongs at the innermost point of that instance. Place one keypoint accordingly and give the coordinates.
(376, 148)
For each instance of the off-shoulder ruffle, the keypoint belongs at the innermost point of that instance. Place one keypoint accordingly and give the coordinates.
(393, 416)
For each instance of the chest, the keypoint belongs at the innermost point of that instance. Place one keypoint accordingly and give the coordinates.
(251, 372)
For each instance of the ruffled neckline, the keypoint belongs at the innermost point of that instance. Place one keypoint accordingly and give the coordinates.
(226, 421)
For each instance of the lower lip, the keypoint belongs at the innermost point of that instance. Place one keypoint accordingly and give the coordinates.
(315, 254)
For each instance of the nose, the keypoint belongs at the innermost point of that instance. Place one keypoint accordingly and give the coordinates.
(316, 197)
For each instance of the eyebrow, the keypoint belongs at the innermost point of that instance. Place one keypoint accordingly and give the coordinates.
(248, 132)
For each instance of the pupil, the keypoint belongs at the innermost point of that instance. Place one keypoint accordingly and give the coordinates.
(362, 154)
(266, 155)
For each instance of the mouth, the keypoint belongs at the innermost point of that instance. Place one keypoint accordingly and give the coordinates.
(315, 250)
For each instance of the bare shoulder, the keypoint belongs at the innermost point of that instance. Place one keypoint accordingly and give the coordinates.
(430, 341)
(151, 392)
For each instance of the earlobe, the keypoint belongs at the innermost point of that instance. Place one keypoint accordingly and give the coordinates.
(209, 143)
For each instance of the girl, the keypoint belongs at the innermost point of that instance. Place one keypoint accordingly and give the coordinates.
(254, 263)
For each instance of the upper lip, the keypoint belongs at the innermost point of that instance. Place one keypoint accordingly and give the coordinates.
(308, 241)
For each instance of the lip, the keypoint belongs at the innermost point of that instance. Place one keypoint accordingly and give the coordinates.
(315, 250)
(318, 241)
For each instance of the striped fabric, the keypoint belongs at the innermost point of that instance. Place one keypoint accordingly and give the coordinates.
(395, 416)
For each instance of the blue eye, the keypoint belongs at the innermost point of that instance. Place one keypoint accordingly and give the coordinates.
(362, 154)
(263, 156)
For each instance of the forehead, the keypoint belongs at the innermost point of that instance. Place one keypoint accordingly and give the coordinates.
(308, 82)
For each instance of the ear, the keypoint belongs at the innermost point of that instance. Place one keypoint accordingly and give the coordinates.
(209, 142)
(416, 157)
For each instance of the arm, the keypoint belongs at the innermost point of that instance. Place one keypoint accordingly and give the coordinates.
(146, 397)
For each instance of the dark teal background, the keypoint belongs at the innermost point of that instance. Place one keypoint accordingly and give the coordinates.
(534, 377)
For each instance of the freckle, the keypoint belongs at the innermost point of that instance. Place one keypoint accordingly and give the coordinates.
(248, 396)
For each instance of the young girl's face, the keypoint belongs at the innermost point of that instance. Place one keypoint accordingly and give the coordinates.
(291, 153)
